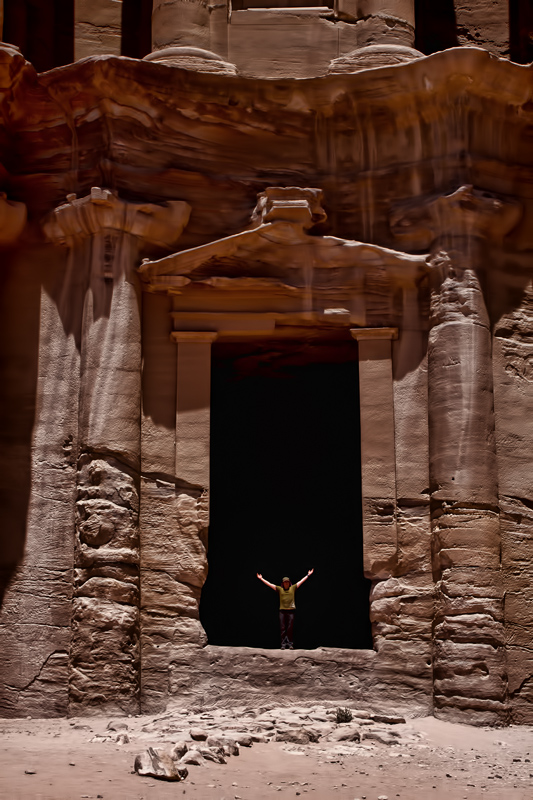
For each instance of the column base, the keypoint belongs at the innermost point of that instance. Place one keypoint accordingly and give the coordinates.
(194, 58)
(374, 55)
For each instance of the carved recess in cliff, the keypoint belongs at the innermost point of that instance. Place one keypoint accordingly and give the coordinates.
(12, 223)
(279, 280)
(469, 633)
(104, 234)
(368, 140)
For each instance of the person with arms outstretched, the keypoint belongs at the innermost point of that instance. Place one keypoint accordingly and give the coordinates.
(287, 607)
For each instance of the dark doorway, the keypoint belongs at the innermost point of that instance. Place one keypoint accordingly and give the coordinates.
(521, 31)
(285, 497)
(136, 28)
(42, 29)
(435, 26)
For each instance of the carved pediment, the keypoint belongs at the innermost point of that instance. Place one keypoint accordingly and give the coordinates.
(277, 266)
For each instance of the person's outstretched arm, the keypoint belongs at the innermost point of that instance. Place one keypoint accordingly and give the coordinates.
(305, 577)
(270, 585)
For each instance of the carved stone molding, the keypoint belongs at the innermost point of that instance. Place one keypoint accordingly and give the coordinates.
(275, 268)
(188, 337)
(370, 334)
(102, 210)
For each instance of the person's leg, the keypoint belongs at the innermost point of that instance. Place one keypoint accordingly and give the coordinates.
(283, 630)
(289, 628)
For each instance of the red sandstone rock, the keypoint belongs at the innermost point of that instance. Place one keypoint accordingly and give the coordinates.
(385, 211)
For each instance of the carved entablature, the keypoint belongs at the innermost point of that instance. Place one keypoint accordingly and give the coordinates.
(103, 211)
(276, 277)
(12, 220)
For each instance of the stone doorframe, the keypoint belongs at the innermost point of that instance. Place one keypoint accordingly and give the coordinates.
(193, 415)
(396, 673)
(273, 281)
(378, 459)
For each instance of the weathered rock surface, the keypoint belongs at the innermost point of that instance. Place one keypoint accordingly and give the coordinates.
(105, 428)
(156, 764)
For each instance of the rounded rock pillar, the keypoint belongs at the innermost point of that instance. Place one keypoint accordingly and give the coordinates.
(384, 32)
(378, 21)
(104, 235)
(470, 680)
(179, 23)
(191, 34)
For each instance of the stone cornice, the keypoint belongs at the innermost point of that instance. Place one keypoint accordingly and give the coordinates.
(278, 240)
(193, 337)
(102, 211)
(371, 334)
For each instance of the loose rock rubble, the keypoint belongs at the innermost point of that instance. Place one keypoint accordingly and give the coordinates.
(156, 764)
(191, 738)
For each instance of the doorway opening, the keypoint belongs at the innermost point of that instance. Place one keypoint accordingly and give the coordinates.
(42, 29)
(286, 496)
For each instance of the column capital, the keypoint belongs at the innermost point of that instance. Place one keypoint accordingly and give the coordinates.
(103, 211)
(366, 334)
(12, 220)
(195, 337)
(466, 212)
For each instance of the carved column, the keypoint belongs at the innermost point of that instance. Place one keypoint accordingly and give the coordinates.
(193, 407)
(181, 22)
(97, 28)
(175, 566)
(377, 450)
(469, 656)
(378, 21)
(192, 34)
(104, 235)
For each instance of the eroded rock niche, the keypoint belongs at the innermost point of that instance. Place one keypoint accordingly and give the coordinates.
(180, 238)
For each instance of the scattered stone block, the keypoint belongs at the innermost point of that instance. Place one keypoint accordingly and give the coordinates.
(198, 734)
(227, 743)
(387, 719)
(178, 751)
(192, 758)
(156, 764)
(117, 726)
(299, 736)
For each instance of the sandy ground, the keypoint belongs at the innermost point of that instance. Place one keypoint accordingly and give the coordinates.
(59, 760)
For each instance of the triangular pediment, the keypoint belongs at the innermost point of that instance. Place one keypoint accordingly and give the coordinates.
(278, 266)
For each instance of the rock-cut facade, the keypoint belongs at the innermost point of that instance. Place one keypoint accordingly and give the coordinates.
(357, 176)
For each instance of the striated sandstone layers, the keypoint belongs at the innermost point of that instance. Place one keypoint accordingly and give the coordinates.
(388, 211)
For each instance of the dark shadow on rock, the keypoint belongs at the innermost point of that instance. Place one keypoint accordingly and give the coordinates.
(19, 351)
(286, 496)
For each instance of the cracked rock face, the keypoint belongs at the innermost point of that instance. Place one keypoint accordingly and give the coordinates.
(392, 212)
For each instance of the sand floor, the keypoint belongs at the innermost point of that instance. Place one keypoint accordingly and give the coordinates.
(56, 760)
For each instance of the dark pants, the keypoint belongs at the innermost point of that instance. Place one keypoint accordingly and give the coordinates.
(286, 624)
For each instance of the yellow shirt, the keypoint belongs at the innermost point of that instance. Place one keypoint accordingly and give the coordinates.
(286, 598)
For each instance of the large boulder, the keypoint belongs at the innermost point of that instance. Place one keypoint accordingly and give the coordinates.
(157, 764)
